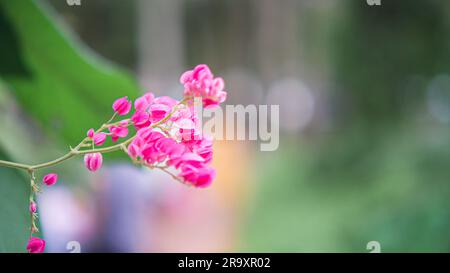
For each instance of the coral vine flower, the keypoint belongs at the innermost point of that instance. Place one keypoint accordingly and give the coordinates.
(142, 103)
(117, 132)
(90, 133)
(200, 175)
(133, 151)
(99, 139)
(93, 161)
(33, 207)
(161, 107)
(122, 106)
(35, 245)
(203, 148)
(158, 111)
(141, 119)
(50, 179)
(200, 82)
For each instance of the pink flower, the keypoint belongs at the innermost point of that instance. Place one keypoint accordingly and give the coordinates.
(141, 119)
(142, 103)
(148, 135)
(135, 147)
(35, 245)
(186, 158)
(153, 147)
(189, 134)
(90, 133)
(197, 80)
(198, 175)
(133, 150)
(200, 82)
(50, 179)
(99, 139)
(150, 150)
(170, 148)
(158, 111)
(93, 161)
(117, 132)
(204, 148)
(122, 106)
(33, 207)
(166, 100)
(161, 107)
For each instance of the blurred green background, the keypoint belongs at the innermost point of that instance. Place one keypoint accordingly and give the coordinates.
(364, 95)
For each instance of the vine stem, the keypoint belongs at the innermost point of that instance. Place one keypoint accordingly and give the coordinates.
(76, 151)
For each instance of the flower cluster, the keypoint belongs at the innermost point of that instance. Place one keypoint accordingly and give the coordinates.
(167, 136)
(168, 133)
(200, 82)
(154, 149)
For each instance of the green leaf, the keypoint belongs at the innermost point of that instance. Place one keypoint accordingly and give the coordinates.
(12, 62)
(15, 219)
(69, 88)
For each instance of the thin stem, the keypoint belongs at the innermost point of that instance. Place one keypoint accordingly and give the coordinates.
(112, 118)
(33, 190)
(14, 165)
(54, 162)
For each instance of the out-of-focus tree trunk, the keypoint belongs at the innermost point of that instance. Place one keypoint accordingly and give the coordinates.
(160, 45)
(278, 43)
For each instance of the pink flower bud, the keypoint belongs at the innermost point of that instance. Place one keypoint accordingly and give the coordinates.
(90, 133)
(122, 106)
(141, 119)
(133, 151)
(140, 104)
(33, 207)
(124, 123)
(93, 162)
(50, 179)
(200, 176)
(99, 139)
(35, 245)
